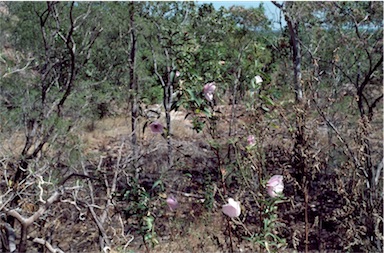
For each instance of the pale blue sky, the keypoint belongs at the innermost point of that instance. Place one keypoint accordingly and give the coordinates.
(272, 12)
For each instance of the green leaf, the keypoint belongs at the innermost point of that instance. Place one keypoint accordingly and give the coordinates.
(207, 112)
(191, 94)
(267, 100)
(265, 108)
(158, 182)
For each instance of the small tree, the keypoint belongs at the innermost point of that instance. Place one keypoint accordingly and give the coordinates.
(59, 45)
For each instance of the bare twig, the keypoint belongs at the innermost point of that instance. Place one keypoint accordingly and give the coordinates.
(100, 227)
(5, 203)
(341, 139)
(378, 172)
(47, 245)
(26, 222)
(103, 237)
(19, 70)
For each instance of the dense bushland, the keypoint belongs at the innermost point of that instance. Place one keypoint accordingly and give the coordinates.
(127, 126)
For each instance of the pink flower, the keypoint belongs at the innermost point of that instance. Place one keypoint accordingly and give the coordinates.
(172, 203)
(251, 140)
(208, 96)
(275, 186)
(208, 90)
(177, 74)
(156, 127)
(232, 209)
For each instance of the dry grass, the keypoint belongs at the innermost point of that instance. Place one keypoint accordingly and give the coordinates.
(194, 227)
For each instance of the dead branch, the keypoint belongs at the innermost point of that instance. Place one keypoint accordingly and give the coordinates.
(10, 232)
(341, 139)
(47, 245)
(20, 69)
(103, 237)
(25, 222)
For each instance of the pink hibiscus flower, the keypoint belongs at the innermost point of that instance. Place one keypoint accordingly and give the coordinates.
(156, 127)
(275, 186)
(232, 209)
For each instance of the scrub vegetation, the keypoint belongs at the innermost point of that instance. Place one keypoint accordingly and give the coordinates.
(177, 127)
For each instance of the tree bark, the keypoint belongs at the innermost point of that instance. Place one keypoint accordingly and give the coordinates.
(133, 84)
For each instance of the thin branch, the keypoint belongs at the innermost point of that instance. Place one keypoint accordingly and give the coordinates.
(47, 245)
(155, 67)
(341, 139)
(369, 74)
(99, 223)
(280, 6)
(99, 226)
(19, 70)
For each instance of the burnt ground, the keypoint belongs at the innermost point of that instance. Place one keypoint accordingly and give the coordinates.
(342, 214)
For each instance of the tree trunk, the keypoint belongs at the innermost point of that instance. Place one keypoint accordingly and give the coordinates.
(133, 86)
(167, 100)
(300, 150)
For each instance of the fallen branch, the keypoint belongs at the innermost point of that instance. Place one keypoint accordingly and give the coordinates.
(25, 222)
(47, 245)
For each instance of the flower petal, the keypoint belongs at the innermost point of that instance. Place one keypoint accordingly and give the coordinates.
(258, 79)
(232, 209)
(156, 127)
(275, 186)
(172, 203)
(251, 140)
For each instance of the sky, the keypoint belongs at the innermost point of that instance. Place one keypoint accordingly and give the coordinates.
(272, 12)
